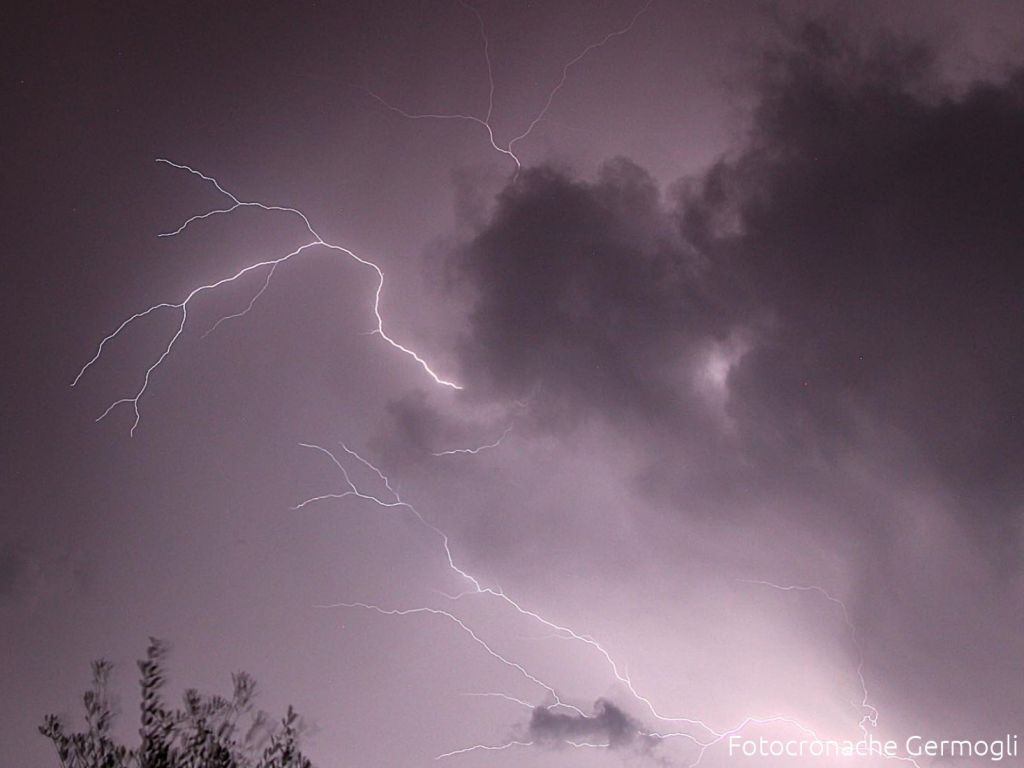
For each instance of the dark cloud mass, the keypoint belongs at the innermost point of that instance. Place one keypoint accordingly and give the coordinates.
(587, 291)
(608, 726)
(852, 278)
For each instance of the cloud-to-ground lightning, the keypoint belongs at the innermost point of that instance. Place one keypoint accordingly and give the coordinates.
(508, 148)
(695, 731)
(269, 266)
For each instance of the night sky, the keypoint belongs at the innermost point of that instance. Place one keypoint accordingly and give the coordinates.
(736, 336)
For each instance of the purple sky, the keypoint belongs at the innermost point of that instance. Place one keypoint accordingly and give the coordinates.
(748, 315)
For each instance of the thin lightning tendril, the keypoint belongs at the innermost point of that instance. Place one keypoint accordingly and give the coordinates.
(508, 149)
(485, 747)
(504, 696)
(478, 449)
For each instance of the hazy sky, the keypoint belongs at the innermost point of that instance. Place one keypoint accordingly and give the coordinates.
(748, 315)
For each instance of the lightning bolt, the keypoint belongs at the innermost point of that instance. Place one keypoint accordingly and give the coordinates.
(508, 149)
(268, 266)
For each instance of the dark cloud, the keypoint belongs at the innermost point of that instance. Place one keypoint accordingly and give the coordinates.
(880, 229)
(587, 291)
(608, 726)
(846, 284)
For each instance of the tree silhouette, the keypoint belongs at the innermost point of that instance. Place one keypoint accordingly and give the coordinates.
(207, 732)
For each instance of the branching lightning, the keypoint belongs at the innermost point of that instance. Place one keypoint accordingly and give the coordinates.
(702, 735)
(269, 265)
(508, 149)
(694, 731)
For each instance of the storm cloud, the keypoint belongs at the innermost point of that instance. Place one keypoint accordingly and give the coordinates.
(608, 727)
(846, 284)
